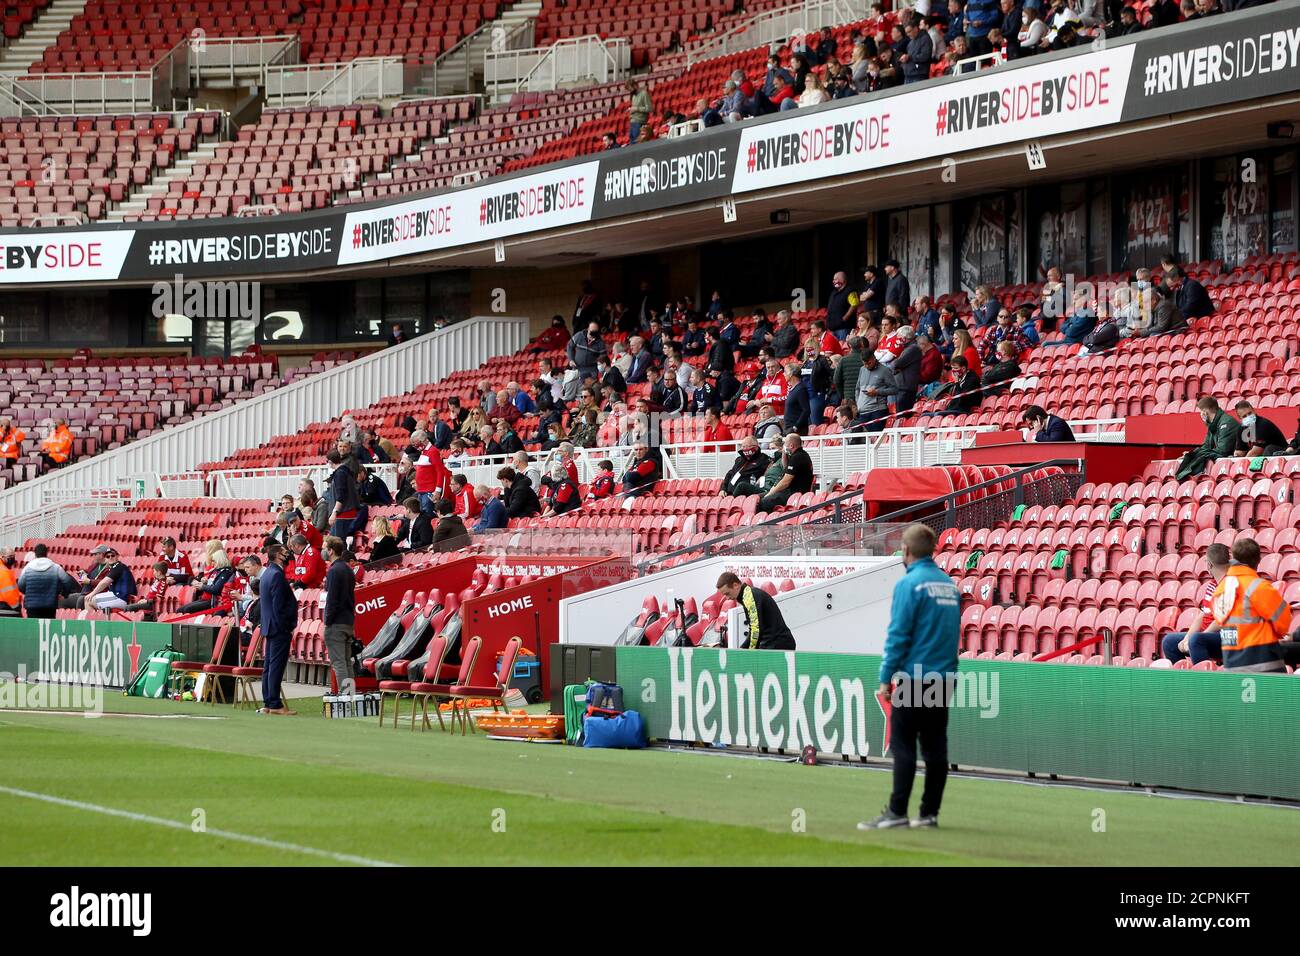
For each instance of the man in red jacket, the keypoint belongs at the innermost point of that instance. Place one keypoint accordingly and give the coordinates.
(432, 480)
(179, 570)
(307, 570)
(467, 505)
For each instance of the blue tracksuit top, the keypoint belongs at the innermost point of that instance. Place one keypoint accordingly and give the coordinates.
(924, 624)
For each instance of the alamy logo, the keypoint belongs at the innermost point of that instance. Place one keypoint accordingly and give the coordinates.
(77, 909)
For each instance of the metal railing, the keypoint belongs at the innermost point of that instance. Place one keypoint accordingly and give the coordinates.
(63, 93)
(334, 84)
(231, 58)
(170, 77)
(778, 26)
(52, 519)
(979, 62)
(571, 60)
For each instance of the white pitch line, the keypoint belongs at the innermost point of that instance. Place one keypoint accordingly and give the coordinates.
(177, 825)
(107, 713)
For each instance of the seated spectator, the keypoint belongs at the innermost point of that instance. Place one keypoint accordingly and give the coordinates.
(746, 473)
(1103, 337)
(966, 395)
(383, 543)
(1202, 644)
(984, 308)
(207, 592)
(603, 485)
(642, 473)
(816, 375)
(814, 93)
(415, 532)
(554, 338)
(1189, 295)
(769, 425)
(43, 582)
(1166, 317)
(775, 387)
(307, 569)
(179, 570)
(564, 496)
(1251, 614)
(450, 533)
(796, 477)
(1258, 437)
(1007, 367)
(785, 340)
(1004, 331)
(56, 446)
(715, 432)
(1081, 321)
(964, 346)
(907, 370)
(703, 395)
(493, 517)
(518, 493)
(506, 439)
(1221, 434)
(150, 602)
(1028, 324)
(1044, 426)
(1127, 25)
(925, 317)
(931, 361)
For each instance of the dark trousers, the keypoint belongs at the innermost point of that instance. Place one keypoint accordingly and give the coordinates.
(905, 401)
(46, 612)
(774, 500)
(930, 725)
(202, 604)
(1200, 646)
(276, 650)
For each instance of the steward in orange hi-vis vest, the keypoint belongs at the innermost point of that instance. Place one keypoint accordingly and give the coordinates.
(1252, 618)
(11, 441)
(57, 446)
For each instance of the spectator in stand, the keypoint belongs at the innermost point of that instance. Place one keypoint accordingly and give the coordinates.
(1189, 295)
(966, 394)
(1004, 331)
(565, 494)
(932, 363)
(42, 582)
(178, 563)
(523, 465)
(840, 306)
(1203, 644)
(674, 400)
(716, 433)
(765, 628)
(307, 569)
(607, 376)
(814, 92)
(797, 414)
(1164, 13)
(1126, 26)
(907, 371)
(207, 592)
(1044, 426)
(278, 616)
(775, 70)
(1009, 27)
(984, 308)
(925, 318)
(115, 586)
(638, 110)
(431, 477)
(1081, 321)
(151, 600)
(981, 16)
(1188, 10)
(874, 292)
(876, 386)
(785, 340)
(339, 614)
(800, 67)
(931, 25)
(1251, 614)
(493, 515)
(56, 446)
(11, 442)
(898, 291)
(585, 349)
(520, 399)
(746, 473)
(1030, 37)
(415, 533)
(586, 429)
(507, 439)
(919, 55)
(1166, 317)
(1258, 437)
(450, 534)
(949, 324)
(639, 361)
(1222, 432)
(643, 472)
(383, 544)
(1002, 371)
(891, 343)
(554, 338)
(775, 387)
(10, 594)
(816, 375)
(518, 494)
(603, 485)
(397, 335)
(720, 364)
(964, 346)
(844, 380)
(760, 336)
(344, 490)
(588, 310)
(769, 425)
(797, 476)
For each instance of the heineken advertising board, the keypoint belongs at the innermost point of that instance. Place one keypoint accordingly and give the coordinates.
(1221, 732)
(106, 653)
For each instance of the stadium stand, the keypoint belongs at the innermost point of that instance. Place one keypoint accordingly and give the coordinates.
(108, 402)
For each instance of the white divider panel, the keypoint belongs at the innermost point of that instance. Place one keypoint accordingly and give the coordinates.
(838, 604)
(428, 358)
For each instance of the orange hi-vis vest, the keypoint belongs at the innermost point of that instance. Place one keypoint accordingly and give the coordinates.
(9, 593)
(11, 444)
(1252, 618)
(59, 445)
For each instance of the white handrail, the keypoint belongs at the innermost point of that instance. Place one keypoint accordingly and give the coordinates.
(284, 411)
(777, 26)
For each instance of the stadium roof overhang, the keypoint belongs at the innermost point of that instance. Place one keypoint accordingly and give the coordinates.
(1197, 89)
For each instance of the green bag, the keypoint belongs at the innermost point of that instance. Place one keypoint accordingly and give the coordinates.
(1020, 510)
(155, 677)
(1116, 510)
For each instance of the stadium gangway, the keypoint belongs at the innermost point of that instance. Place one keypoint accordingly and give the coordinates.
(779, 26)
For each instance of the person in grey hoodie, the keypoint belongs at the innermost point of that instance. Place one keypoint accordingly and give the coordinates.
(42, 583)
(876, 386)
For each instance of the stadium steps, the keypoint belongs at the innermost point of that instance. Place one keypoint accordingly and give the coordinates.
(454, 64)
(137, 202)
(41, 34)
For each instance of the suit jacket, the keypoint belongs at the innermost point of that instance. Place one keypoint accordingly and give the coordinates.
(636, 371)
(279, 615)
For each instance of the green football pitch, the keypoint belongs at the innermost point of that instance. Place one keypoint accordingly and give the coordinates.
(250, 790)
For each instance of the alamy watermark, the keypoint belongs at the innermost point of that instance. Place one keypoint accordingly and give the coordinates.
(19, 693)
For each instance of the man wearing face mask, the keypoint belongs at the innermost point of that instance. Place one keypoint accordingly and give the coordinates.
(747, 471)
(1221, 434)
(1258, 437)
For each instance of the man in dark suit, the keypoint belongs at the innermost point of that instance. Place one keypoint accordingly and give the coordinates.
(898, 291)
(415, 531)
(609, 375)
(641, 360)
(1046, 427)
(279, 618)
(872, 297)
(1189, 295)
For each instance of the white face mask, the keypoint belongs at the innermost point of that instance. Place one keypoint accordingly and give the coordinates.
(1248, 421)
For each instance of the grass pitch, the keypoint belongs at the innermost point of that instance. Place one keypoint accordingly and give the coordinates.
(307, 791)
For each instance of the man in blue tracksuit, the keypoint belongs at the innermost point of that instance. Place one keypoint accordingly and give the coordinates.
(921, 661)
(278, 618)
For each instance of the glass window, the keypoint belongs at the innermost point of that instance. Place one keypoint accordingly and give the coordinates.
(982, 259)
(1282, 236)
(22, 318)
(943, 283)
(80, 319)
(1147, 217)
(1238, 204)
